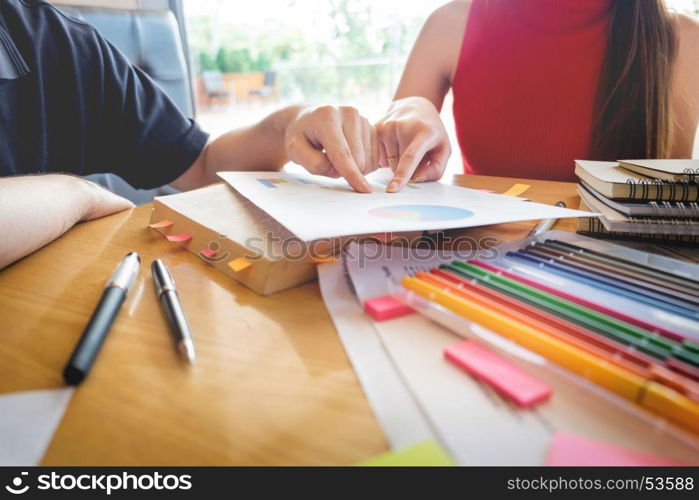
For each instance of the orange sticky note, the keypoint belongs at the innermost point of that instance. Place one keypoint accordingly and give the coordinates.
(571, 450)
(239, 264)
(207, 252)
(179, 237)
(516, 190)
(161, 224)
(325, 259)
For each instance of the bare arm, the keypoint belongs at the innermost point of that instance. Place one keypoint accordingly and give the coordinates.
(432, 63)
(684, 93)
(324, 139)
(412, 138)
(35, 210)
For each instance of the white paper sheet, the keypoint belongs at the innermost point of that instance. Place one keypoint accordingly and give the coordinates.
(314, 207)
(395, 409)
(28, 421)
(381, 265)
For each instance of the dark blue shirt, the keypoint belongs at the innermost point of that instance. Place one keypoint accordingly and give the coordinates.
(71, 102)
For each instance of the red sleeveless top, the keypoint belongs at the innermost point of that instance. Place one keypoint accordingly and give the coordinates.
(525, 85)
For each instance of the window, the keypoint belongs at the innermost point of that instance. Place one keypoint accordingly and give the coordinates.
(252, 57)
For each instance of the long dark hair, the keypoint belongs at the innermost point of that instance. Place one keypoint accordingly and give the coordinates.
(633, 99)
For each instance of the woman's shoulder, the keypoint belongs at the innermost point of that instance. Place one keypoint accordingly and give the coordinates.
(442, 33)
(688, 34)
(686, 24)
(688, 45)
(450, 16)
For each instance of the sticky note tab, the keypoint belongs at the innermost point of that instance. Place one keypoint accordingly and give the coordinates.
(516, 190)
(179, 237)
(325, 259)
(207, 252)
(571, 450)
(385, 308)
(426, 453)
(239, 264)
(508, 380)
(161, 224)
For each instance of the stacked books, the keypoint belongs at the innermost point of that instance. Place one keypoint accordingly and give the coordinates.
(640, 199)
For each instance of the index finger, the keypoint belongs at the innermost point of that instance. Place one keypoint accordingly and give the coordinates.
(409, 161)
(340, 155)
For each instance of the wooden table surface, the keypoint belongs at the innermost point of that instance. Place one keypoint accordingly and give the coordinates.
(272, 384)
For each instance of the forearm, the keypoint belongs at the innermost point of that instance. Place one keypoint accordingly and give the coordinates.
(34, 210)
(257, 147)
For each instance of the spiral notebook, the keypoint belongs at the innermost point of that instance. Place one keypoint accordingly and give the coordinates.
(669, 170)
(592, 226)
(613, 181)
(674, 209)
(613, 220)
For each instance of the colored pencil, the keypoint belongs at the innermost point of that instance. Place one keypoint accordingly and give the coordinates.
(642, 283)
(616, 269)
(633, 293)
(643, 340)
(614, 353)
(660, 329)
(688, 283)
(663, 400)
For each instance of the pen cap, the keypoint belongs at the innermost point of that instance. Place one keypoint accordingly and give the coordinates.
(162, 278)
(126, 272)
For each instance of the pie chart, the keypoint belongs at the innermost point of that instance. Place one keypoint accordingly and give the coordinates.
(420, 213)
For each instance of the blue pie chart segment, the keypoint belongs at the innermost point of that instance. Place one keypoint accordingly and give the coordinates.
(421, 213)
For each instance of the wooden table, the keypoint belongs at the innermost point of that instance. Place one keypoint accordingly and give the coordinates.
(272, 385)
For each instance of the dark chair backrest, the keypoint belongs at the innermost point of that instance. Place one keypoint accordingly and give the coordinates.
(150, 40)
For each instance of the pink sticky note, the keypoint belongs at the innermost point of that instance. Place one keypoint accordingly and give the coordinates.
(384, 308)
(571, 450)
(207, 252)
(161, 224)
(508, 380)
(179, 237)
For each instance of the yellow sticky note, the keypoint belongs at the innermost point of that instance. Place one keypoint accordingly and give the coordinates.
(239, 264)
(516, 190)
(428, 453)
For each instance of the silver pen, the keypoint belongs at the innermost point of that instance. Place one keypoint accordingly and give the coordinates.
(167, 295)
(545, 224)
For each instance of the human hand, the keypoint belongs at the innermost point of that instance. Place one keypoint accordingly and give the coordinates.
(335, 142)
(97, 201)
(37, 209)
(412, 142)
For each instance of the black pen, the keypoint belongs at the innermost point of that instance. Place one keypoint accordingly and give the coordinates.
(167, 295)
(102, 318)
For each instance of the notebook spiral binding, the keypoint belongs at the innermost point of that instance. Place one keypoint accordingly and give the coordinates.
(687, 210)
(641, 232)
(661, 188)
